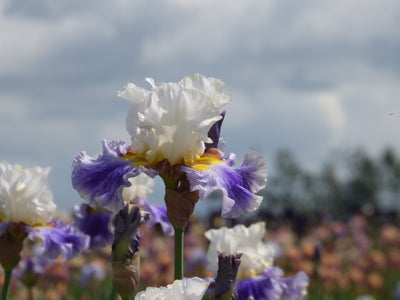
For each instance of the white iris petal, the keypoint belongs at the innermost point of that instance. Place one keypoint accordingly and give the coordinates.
(25, 195)
(188, 288)
(240, 239)
(172, 120)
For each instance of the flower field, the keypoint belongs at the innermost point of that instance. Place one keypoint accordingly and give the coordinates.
(343, 261)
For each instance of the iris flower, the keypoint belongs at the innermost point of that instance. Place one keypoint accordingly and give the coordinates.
(256, 255)
(258, 278)
(27, 202)
(174, 129)
(25, 195)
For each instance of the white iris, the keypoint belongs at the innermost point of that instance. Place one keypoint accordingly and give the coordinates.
(25, 195)
(257, 255)
(172, 120)
(188, 288)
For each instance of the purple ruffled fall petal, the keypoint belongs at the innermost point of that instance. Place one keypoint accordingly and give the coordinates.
(100, 180)
(60, 239)
(271, 286)
(296, 286)
(238, 185)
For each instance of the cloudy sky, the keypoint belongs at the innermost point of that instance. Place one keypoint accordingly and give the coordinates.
(310, 76)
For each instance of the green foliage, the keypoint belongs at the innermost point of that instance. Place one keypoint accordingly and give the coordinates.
(346, 184)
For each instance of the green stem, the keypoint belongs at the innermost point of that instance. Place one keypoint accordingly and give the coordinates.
(113, 294)
(7, 279)
(179, 253)
(30, 293)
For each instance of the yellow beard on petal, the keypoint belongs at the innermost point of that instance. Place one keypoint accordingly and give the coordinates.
(210, 157)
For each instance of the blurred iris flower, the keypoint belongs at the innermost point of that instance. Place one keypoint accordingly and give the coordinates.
(258, 278)
(27, 210)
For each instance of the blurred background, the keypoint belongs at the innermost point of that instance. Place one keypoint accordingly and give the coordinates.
(315, 87)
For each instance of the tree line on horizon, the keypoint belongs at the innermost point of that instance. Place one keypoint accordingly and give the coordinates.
(349, 183)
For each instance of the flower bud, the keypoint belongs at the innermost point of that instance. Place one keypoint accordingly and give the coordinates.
(125, 255)
(225, 283)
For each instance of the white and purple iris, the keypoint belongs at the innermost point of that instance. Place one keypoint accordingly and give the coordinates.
(25, 198)
(258, 278)
(176, 124)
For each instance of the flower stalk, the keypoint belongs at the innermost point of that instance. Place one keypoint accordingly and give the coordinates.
(180, 202)
(10, 252)
(7, 279)
(179, 265)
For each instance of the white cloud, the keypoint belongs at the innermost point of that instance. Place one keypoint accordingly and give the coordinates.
(332, 111)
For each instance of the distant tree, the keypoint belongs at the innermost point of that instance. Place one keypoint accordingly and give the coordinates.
(288, 197)
(389, 181)
(361, 188)
(346, 184)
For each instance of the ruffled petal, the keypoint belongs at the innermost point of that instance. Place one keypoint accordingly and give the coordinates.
(256, 255)
(270, 285)
(100, 180)
(238, 185)
(187, 288)
(25, 195)
(261, 287)
(60, 239)
(172, 120)
(296, 286)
